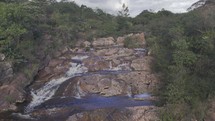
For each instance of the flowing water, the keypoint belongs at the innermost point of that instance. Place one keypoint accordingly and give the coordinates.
(48, 90)
(43, 98)
(93, 102)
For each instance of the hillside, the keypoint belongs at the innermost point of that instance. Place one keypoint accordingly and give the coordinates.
(39, 38)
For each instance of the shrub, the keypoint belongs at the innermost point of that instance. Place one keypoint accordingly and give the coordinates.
(132, 42)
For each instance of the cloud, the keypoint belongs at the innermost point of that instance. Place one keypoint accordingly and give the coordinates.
(137, 6)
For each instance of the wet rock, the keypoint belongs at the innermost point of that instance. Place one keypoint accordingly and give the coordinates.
(96, 84)
(96, 64)
(2, 57)
(44, 72)
(103, 42)
(55, 67)
(48, 77)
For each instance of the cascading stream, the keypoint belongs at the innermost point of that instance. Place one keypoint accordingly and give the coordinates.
(44, 97)
(48, 90)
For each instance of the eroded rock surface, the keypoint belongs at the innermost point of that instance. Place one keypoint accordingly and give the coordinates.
(105, 85)
(126, 114)
(106, 70)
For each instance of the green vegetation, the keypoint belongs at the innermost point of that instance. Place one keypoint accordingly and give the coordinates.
(9, 99)
(132, 42)
(183, 44)
(31, 30)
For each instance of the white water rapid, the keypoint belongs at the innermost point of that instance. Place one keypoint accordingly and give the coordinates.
(48, 90)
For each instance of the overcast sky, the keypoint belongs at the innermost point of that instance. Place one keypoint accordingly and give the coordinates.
(137, 6)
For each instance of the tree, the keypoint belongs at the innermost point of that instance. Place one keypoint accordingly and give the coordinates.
(13, 1)
(124, 12)
(12, 18)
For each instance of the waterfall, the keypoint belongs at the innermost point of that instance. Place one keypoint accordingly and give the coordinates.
(79, 91)
(48, 90)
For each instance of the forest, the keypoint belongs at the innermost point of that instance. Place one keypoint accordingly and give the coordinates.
(183, 45)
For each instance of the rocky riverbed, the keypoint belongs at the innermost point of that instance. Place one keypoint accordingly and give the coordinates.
(105, 82)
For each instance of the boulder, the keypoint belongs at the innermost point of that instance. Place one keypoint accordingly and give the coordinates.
(95, 84)
(103, 42)
(96, 64)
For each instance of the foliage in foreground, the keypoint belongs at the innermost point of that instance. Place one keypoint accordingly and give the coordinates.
(183, 45)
